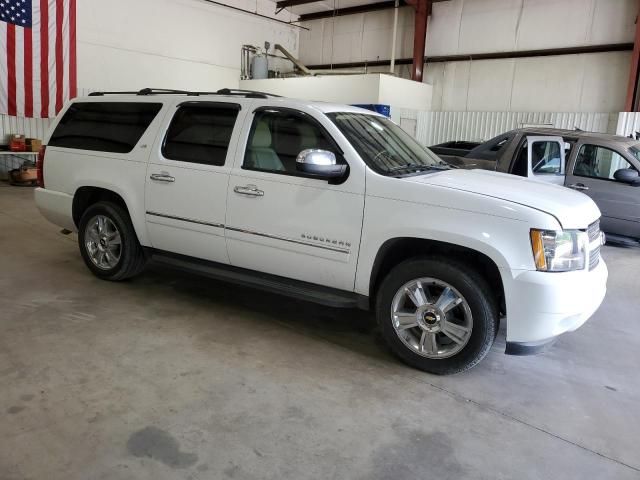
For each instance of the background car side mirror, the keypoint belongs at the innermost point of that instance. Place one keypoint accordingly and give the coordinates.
(627, 175)
(320, 163)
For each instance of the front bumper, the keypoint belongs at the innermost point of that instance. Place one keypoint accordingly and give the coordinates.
(543, 305)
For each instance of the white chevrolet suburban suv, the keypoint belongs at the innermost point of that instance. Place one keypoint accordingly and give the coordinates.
(327, 203)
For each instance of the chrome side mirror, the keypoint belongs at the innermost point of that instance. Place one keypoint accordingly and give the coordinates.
(320, 163)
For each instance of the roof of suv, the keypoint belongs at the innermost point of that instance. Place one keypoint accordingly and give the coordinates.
(226, 94)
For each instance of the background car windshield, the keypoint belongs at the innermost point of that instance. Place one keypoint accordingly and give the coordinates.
(383, 145)
(635, 150)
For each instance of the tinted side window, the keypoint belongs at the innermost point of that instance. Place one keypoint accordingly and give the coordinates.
(104, 126)
(277, 138)
(598, 162)
(200, 134)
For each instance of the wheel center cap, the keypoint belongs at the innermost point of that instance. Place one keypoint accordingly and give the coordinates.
(429, 320)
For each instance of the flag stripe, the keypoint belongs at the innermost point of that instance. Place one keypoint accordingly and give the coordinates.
(73, 74)
(28, 72)
(35, 59)
(11, 69)
(44, 58)
(65, 54)
(59, 63)
(19, 71)
(4, 74)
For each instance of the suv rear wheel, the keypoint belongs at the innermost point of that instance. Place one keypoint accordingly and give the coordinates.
(435, 315)
(108, 242)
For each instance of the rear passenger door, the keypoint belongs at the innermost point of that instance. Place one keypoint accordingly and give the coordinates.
(187, 178)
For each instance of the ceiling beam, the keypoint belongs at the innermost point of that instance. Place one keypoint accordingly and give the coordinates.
(370, 7)
(293, 3)
(613, 47)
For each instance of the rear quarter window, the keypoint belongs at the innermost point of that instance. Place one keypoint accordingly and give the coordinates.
(105, 126)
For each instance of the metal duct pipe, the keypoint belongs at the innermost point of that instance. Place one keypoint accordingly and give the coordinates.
(392, 65)
(293, 59)
(245, 61)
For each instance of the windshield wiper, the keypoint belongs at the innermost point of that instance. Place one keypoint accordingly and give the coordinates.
(415, 166)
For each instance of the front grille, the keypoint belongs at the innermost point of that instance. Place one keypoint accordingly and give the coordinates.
(594, 231)
(594, 257)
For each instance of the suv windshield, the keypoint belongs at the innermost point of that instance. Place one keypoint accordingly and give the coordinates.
(635, 150)
(384, 146)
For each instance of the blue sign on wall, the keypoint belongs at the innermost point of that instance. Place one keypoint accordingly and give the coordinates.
(376, 107)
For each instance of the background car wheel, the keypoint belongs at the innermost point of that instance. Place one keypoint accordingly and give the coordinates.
(108, 243)
(435, 314)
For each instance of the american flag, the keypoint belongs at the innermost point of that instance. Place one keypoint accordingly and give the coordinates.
(37, 56)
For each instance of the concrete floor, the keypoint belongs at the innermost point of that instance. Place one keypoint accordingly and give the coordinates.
(175, 377)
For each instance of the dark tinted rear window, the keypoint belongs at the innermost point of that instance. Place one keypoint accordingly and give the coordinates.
(200, 133)
(105, 126)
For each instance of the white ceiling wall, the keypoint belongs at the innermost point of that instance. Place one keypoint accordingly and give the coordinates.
(587, 82)
(184, 44)
(355, 38)
(593, 82)
(480, 26)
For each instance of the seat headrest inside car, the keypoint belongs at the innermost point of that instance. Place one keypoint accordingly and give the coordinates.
(262, 135)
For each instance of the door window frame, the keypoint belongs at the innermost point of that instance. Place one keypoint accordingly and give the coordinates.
(575, 162)
(339, 153)
(203, 104)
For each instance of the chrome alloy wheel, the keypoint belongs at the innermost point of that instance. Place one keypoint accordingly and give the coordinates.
(431, 318)
(103, 242)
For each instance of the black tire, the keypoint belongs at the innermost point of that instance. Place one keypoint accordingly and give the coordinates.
(475, 291)
(132, 259)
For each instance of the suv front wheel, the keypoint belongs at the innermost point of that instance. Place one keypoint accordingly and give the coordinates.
(108, 242)
(437, 315)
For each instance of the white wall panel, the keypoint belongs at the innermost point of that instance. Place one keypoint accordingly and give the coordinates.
(481, 26)
(590, 82)
(628, 123)
(30, 127)
(594, 82)
(187, 44)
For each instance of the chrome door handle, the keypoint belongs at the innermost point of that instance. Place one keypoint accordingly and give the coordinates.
(162, 177)
(579, 186)
(249, 190)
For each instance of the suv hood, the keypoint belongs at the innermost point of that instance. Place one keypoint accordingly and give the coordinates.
(572, 209)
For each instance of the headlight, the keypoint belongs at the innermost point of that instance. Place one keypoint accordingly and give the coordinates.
(559, 251)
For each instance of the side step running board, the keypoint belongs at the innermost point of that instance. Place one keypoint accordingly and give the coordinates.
(262, 281)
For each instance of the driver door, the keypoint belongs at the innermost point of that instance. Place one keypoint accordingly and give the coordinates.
(592, 174)
(283, 222)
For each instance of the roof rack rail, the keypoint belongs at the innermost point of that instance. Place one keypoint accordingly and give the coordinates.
(246, 93)
(167, 91)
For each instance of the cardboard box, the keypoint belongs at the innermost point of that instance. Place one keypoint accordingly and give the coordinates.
(33, 144)
(17, 143)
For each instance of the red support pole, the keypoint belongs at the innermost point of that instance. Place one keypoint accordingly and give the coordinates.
(422, 12)
(631, 103)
